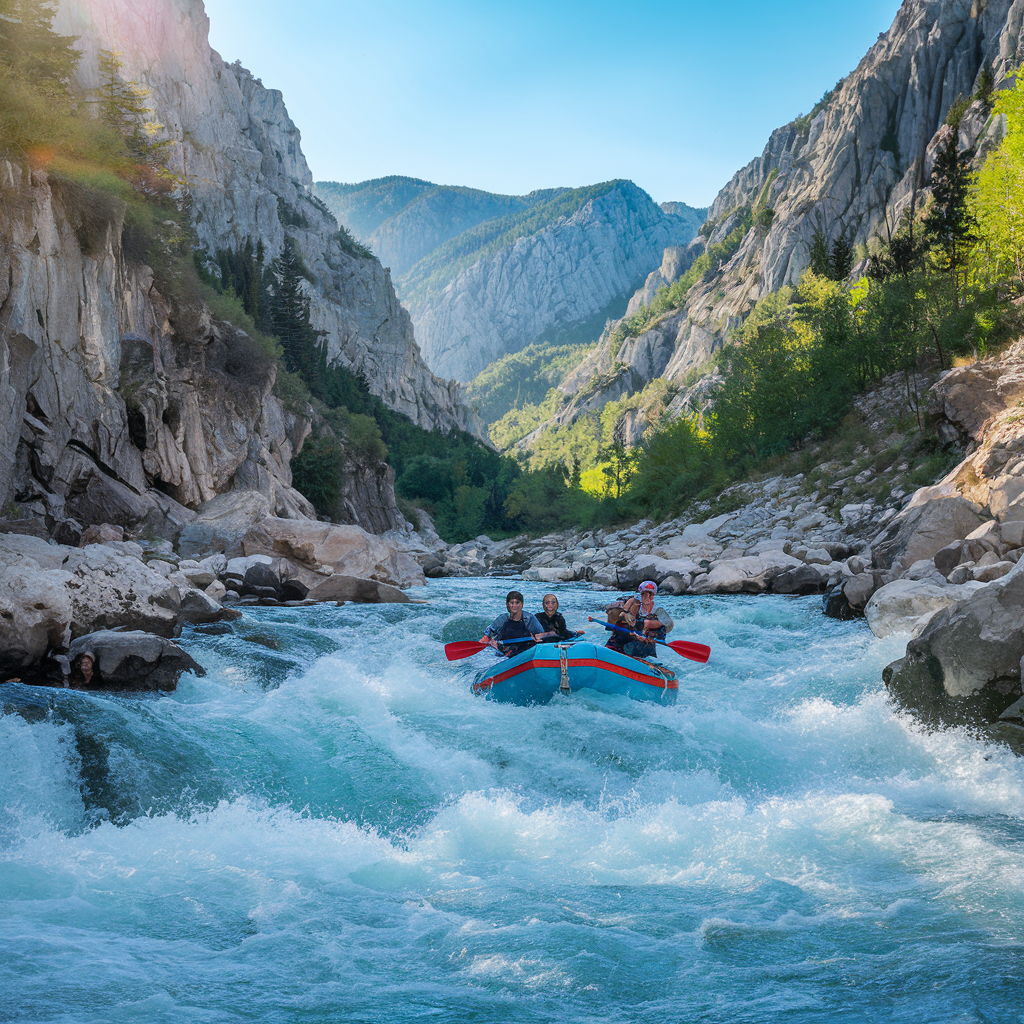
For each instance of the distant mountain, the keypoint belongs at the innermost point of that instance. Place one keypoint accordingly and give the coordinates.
(484, 275)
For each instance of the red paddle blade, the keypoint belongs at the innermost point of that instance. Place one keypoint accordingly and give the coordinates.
(695, 652)
(462, 649)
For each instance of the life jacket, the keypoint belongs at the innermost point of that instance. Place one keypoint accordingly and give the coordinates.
(510, 631)
(553, 622)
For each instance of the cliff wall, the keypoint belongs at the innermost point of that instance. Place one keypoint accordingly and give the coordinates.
(238, 149)
(849, 167)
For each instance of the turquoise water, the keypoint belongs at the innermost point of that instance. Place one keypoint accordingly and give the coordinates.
(330, 827)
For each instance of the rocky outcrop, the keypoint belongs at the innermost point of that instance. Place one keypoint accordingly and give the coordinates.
(234, 143)
(115, 404)
(856, 159)
(966, 664)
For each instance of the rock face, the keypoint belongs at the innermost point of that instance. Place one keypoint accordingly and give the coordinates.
(481, 282)
(856, 158)
(233, 141)
(117, 406)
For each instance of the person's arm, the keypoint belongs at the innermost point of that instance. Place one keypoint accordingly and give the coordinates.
(533, 627)
(493, 630)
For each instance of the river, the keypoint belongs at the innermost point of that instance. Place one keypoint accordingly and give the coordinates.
(330, 827)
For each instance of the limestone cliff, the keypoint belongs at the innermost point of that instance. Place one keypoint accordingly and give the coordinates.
(115, 404)
(852, 163)
(234, 143)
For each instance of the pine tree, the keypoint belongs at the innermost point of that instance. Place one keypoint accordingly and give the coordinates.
(124, 106)
(950, 225)
(288, 318)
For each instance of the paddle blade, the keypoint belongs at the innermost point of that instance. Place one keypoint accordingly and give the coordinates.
(462, 649)
(695, 652)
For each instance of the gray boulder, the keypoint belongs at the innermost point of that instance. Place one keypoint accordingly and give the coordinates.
(134, 660)
(966, 664)
(920, 530)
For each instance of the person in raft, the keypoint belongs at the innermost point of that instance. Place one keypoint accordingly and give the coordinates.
(512, 625)
(648, 624)
(553, 623)
(618, 616)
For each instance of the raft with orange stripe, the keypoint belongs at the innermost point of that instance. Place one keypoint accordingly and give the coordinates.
(536, 675)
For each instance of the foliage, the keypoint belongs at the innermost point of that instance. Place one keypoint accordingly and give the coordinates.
(997, 198)
(949, 225)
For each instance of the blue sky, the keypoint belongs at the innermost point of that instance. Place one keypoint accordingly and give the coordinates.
(510, 97)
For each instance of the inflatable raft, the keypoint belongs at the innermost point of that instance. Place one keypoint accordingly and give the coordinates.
(536, 675)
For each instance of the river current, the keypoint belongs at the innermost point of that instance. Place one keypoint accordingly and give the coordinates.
(330, 827)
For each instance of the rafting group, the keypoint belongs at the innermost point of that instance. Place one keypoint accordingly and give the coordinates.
(636, 627)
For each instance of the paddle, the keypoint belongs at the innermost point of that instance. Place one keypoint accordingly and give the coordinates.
(459, 649)
(695, 652)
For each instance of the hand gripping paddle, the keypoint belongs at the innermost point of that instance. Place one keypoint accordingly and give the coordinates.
(695, 652)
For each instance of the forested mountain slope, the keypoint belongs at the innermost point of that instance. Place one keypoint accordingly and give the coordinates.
(484, 275)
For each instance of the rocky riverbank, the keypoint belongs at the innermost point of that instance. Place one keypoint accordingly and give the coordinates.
(53, 596)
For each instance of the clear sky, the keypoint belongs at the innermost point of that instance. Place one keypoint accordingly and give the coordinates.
(510, 97)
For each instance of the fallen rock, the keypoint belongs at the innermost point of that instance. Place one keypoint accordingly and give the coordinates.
(221, 523)
(134, 660)
(923, 528)
(340, 587)
(906, 606)
(316, 547)
(966, 664)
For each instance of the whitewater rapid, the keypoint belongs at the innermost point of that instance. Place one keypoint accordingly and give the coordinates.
(330, 827)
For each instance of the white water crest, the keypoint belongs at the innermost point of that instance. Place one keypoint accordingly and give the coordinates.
(330, 827)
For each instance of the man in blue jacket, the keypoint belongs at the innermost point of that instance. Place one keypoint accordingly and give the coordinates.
(514, 624)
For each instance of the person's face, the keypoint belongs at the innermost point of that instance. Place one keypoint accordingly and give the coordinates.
(87, 664)
(515, 607)
(550, 604)
(647, 600)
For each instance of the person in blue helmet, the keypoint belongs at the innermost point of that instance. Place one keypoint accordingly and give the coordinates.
(511, 626)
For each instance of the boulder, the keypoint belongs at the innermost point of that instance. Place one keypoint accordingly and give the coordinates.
(317, 547)
(197, 606)
(675, 585)
(134, 660)
(340, 587)
(836, 606)
(109, 589)
(801, 579)
(221, 523)
(966, 664)
(858, 590)
(922, 528)
(102, 534)
(35, 613)
(906, 606)
(733, 576)
(261, 580)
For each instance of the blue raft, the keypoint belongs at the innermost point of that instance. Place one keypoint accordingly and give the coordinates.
(536, 675)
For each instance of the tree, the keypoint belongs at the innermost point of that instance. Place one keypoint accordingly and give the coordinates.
(997, 198)
(124, 106)
(288, 318)
(949, 225)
